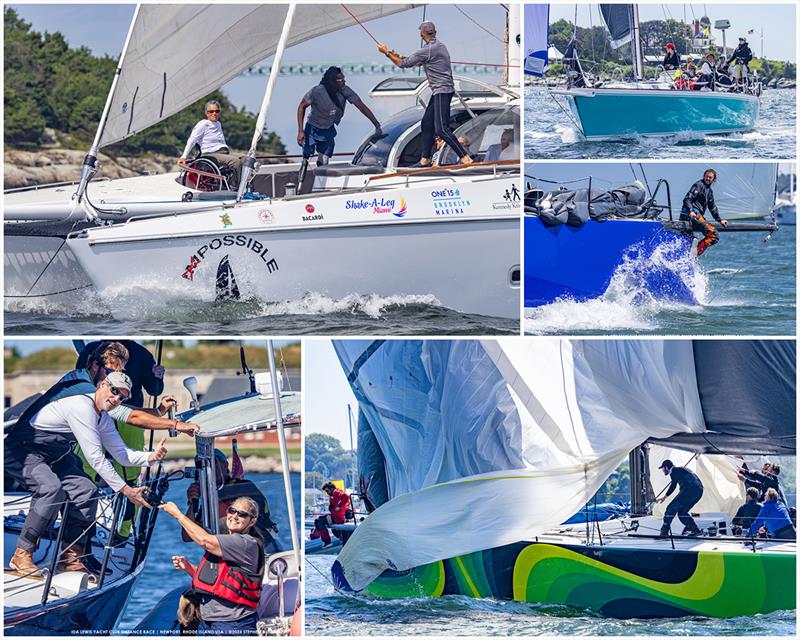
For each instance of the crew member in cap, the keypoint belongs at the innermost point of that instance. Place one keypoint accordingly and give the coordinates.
(740, 60)
(434, 58)
(671, 60)
(689, 494)
(39, 454)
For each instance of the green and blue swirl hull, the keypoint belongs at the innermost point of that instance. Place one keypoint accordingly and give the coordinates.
(629, 582)
(625, 113)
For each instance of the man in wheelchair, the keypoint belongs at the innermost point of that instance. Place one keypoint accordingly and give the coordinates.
(214, 168)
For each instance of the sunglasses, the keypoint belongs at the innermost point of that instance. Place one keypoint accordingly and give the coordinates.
(213, 111)
(120, 393)
(241, 514)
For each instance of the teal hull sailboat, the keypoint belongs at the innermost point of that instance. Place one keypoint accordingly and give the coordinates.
(603, 110)
(639, 111)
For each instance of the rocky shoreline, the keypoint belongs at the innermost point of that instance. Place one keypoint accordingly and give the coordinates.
(49, 165)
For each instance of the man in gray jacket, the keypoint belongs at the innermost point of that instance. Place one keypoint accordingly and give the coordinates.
(434, 58)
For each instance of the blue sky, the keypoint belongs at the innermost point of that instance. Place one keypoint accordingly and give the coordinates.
(103, 27)
(777, 20)
(326, 408)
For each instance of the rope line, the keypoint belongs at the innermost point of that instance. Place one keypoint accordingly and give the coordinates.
(477, 64)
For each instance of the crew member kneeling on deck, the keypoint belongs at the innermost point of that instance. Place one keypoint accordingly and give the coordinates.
(773, 519)
(699, 198)
(691, 490)
(39, 454)
(338, 506)
(228, 578)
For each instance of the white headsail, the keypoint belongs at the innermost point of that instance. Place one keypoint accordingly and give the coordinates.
(537, 17)
(179, 53)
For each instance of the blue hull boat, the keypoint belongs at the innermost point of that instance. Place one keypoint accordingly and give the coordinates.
(578, 263)
(606, 113)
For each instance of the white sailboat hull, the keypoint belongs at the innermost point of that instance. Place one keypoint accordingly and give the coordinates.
(457, 241)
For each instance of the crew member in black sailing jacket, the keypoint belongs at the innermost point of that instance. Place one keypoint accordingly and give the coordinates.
(699, 198)
(691, 490)
(671, 60)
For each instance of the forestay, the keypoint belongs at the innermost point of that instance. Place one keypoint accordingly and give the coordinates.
(506, 439)
(180, 53)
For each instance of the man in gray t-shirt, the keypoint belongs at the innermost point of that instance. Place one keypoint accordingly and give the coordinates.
(434, 58)
(327, 101)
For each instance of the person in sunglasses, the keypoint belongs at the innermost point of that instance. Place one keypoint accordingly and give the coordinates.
(207, 135)
(39, 454)
(230, 489)
(228, 578)
(699, 198)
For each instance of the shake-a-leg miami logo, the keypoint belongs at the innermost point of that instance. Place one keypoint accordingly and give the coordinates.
(397, 207)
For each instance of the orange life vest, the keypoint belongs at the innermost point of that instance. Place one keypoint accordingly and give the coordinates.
(217, 577)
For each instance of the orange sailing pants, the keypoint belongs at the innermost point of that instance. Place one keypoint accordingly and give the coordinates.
(710, 235)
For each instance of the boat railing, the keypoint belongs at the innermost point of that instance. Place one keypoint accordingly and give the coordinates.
(652, 202)
(407, 174)
(51, 185)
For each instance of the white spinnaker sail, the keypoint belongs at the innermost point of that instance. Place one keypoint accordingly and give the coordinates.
(537, 18)
(578, 409)
(180, 53)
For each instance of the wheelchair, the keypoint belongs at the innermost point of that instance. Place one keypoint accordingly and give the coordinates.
(203, 173)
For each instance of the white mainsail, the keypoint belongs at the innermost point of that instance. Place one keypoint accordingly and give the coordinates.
(503, 439)
(178, 53)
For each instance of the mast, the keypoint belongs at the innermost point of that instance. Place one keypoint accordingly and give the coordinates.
(636, 44)
(89, 167)
(513, 47)
(287, 479)
(248, 164)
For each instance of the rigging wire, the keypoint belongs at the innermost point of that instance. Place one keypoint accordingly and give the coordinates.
(476, 23)
(477, 64)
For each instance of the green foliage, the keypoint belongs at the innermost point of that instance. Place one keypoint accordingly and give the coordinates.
(203, 355)
(593, 43)
(617, 488)
(47, 84)
(325, 455)
(600, 59)
(657, 33)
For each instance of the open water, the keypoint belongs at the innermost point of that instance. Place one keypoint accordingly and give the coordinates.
(314, 314)
(551, 133)
(745, 286)
(159, 577)
(332, 614)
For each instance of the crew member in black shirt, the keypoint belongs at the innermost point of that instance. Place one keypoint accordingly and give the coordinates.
(691, 490)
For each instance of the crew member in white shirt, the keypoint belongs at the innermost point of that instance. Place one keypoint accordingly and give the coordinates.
(43, 458)
(207, 134)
